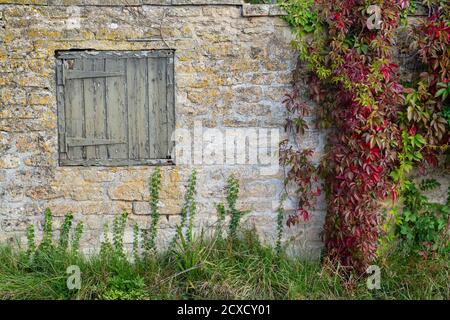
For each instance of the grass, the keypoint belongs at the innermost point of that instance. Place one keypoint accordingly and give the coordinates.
(220, 269)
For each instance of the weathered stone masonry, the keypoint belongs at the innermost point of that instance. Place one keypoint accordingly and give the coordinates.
(233, 65)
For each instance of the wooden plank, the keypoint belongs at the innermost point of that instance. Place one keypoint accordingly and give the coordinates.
(170, 104)
(115, 54)
(116, 110)
(59, 72)
(74, 109)
(100, 110)
(62, 147)
(119, 96)
(83, 142)
(139, 147)
(117, 162)
(162, 106)
(89, 94)
(158, 107)
(95, 111)
(70, 75)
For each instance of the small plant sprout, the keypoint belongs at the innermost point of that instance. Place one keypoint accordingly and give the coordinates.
(188, 210)
(77, 237)
(31, 240)
(65, 231)
(232, 194)
(150, 235)
(119, 225)
(136, 242)
(48, 230)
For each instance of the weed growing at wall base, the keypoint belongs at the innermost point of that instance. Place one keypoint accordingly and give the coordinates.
(246, 270)
(197, 267)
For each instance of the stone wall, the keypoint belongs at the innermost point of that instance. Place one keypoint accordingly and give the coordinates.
(233, 65)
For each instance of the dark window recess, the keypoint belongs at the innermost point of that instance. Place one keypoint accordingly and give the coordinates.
(115, 108)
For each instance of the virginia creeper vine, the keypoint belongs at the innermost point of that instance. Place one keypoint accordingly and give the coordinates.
(360, 97)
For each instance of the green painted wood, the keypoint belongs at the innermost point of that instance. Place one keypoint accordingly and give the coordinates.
(170, 88)
(100, 114)
(118, 107)
(117, 162)
(139, 146)
(115, 54)
(89, 108)
(158, 107)
(95, 109)
(83, 142)
(153, 110)
(62, 146)
(117, 119)
(69, 75)
(74, 108)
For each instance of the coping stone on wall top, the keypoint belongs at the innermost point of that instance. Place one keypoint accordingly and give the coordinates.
(248, 10)
(122, 2)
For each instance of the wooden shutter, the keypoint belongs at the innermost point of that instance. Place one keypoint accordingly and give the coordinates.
(115, 108)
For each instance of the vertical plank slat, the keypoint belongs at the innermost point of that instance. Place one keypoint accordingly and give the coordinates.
(127, 125)
(158, 101)
(61, 110)
(100, 109)
(162, 106)
(95, 109)
(152, 87)
(170, 103)
(99, 104)
(73, 92)
(116, 109)
(137, 110)
(89, 108)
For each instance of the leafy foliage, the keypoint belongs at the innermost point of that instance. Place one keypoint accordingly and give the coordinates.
(221, 214)
(300, 171)
(375, 140)
(428, 98)
(150, 235)
(48, 230)
(31, 241)
(47, 244)
(301, 174)
(423, 226)
(77, 237)
(429, 184)
(65, 231)
(106, 247)
(362, 102)
(232, 194)
(189, 209)
(120, 222)
(136, 242)
(247, 270)
(217, 268)
(125, 288)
